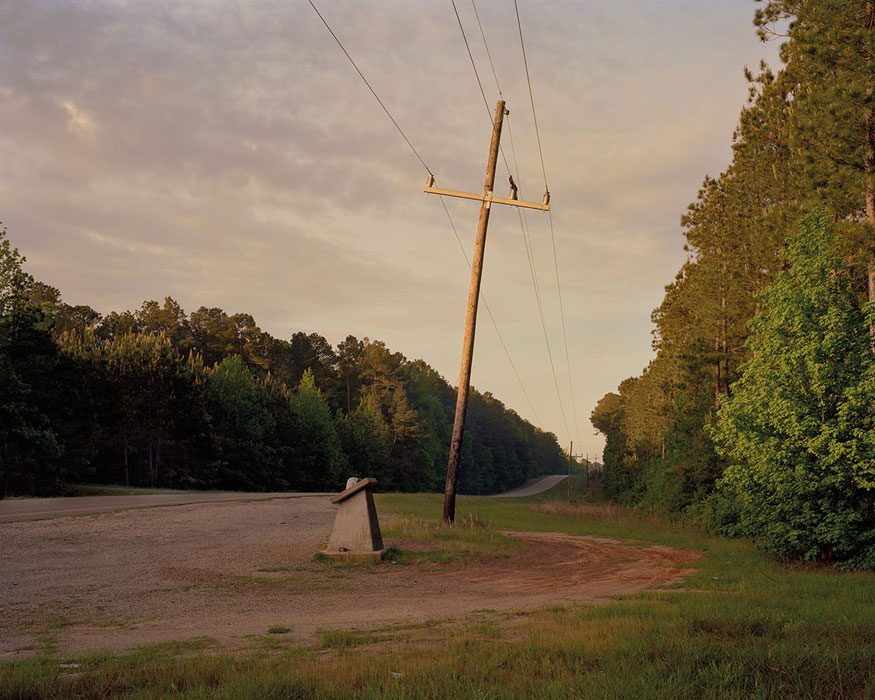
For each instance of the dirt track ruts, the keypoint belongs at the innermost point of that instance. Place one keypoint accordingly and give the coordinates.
(228, 570)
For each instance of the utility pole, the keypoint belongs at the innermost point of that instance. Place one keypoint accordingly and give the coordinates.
(486, 200)
(570, 460)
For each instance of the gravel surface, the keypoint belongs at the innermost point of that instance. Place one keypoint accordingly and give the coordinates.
(45, 508)
(231, 570)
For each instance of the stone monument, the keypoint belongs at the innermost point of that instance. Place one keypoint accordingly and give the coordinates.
(356, 532)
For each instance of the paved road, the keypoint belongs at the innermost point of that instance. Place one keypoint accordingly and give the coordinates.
(544, 484)
(46, 508)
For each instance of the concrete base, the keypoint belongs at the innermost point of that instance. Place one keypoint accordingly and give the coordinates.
(364, 557)
(356, 527)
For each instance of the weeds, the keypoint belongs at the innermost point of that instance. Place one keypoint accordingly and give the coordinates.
(343, 639)
(419, 540)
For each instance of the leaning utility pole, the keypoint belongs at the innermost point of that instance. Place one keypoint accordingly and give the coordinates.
(486, 200)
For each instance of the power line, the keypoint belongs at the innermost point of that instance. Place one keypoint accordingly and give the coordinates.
(473, 64)
(373, 92)
(489, 311)
(530, 253)
(531, 97)
(477, 75)
(564, 332)
(523, 220)
(552, 227)
(443, 203)
(486, 44)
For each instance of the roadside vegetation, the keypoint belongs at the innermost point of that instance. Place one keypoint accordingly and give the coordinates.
(157, 397)
(744, 625)
(755, 415)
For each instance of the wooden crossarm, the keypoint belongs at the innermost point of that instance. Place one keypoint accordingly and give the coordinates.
(489, 198)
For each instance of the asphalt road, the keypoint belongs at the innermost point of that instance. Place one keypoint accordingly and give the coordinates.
(47, 508)
(544, 484)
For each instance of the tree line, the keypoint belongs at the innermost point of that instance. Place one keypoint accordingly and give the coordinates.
(160, 398)
(757, 414)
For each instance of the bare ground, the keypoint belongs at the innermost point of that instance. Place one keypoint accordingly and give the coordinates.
(230, 571)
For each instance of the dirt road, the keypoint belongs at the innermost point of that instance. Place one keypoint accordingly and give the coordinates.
(544, 484)
(230, 570)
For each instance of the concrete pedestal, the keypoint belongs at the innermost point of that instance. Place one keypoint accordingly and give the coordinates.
(356, 532)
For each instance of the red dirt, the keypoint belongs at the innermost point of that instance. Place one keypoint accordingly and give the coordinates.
(231, 570)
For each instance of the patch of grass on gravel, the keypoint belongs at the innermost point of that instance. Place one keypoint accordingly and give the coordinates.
(421, 540)
(343, 639)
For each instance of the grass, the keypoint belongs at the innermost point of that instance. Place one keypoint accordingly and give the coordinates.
(423, 540)
(343, 639)
(744, 626)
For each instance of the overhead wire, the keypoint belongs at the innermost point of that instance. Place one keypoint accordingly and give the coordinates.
(523, 220)
(486, 46)
(489, 311)
(443, 203)
(471, 57)
(531, 96)
(550, 215)
(373, 92)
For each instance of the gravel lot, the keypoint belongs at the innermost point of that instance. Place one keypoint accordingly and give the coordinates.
(231, 570)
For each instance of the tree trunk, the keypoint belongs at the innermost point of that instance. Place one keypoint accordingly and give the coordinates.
(157, 460)
(718, 365)
(127, 471)
(724, 342)
(870, 218)
(151, 467)
(870, 178)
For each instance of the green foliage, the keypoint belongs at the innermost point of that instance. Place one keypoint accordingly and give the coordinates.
(366, 439)
(244, 428)
(798, 429)
(320, 458)
(156, 397)
(805, 140)
(29, 443)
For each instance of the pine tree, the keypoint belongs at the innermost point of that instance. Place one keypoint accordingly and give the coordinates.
(830, 59)
(367, 442)
(319, 455)
(243, 430)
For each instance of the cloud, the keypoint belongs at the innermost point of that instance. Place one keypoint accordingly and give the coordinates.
(78, 122)
(227, 154)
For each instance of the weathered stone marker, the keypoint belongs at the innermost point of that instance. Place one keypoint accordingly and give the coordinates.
(356, 532)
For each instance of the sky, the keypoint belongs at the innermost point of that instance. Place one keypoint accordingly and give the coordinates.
(227, 154)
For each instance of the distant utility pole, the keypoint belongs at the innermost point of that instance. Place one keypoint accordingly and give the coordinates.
(486, 200)
(570, 460)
